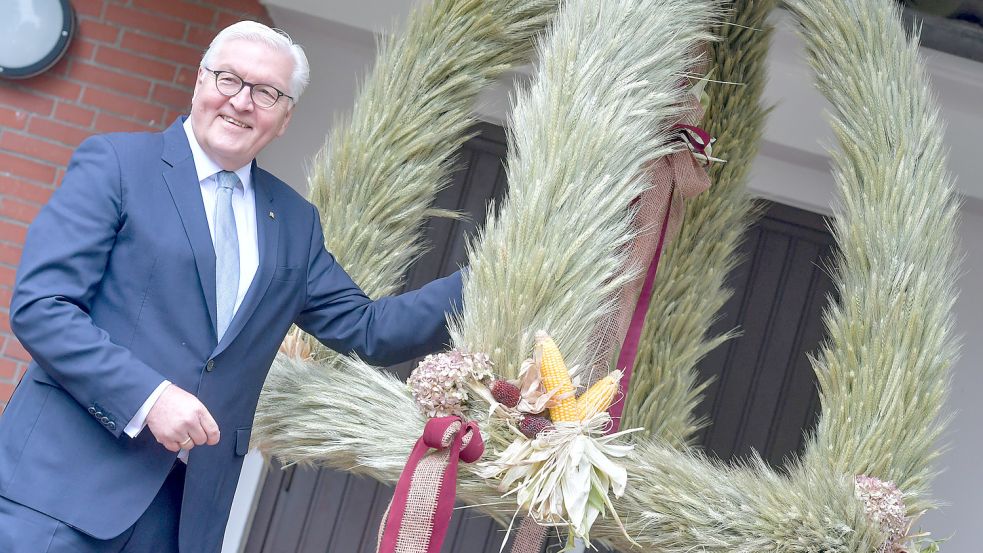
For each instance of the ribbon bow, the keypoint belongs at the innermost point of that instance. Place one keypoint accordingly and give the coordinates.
(420, 511)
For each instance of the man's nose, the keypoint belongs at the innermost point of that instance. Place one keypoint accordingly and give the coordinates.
(243, 100)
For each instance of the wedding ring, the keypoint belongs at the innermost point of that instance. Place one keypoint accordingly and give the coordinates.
(183, 444)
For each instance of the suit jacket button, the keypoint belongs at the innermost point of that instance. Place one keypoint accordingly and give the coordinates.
(111, 425)
(105, 420)
(97, 414)
(92, 410)
(210, 366)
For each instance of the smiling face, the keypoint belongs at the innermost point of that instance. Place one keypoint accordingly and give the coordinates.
(231, 129)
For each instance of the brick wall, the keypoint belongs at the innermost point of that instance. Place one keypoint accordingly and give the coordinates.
(130, 67)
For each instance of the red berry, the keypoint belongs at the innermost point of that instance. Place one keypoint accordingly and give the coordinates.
(532, 425)
(505, 393)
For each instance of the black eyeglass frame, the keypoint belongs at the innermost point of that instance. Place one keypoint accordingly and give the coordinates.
(243, 84)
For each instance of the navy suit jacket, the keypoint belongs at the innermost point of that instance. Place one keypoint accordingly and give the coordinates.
(116, 292)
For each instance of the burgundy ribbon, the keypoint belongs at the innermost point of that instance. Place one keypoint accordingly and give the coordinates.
(532, 536)
(698, 138)
(629, 350)
(466, 445)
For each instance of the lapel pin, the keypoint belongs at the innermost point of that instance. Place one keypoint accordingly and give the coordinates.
(272, 215)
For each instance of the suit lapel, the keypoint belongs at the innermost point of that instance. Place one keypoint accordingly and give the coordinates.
(268, 231)
(181, 179)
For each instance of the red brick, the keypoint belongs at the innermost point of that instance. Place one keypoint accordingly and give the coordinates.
(25, 190)
(200, 36)
(187, 76)
(81, 49)
(15, 350)
(26, 168)
(185, 11)
(73, 114)
(9, 369)
(21, 98)
(38, 149)
(21, 211)
(115, 80)
(171, 114)
(6, 392)
(138, 19)
(166, 50)
(97, 30)
(59, 132)
(13, 119)
(91, 8)
(9, 254)
(5, 296)
(33, 147)
(238, 6)
(178, 98)
(131, 63)
(60, 68)
(7, 275)
(123, 105)
(12, 232)
(55, 85)
(111, 123)
(4, 317)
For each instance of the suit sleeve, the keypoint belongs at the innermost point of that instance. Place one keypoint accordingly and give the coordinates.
(65, 256)
(382, 332)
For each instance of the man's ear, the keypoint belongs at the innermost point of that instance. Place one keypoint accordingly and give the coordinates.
(199, 79)
(286, 121)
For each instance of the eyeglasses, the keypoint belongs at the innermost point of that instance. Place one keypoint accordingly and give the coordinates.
(230, 84)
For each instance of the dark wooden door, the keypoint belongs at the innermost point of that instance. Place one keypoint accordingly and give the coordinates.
(764, 393)
(318, 511)
(763, 396)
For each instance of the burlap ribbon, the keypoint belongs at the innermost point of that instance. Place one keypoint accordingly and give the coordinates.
(658, 218)
(420, 511)
(675, 178)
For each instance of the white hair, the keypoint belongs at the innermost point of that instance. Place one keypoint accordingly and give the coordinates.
(274, 38)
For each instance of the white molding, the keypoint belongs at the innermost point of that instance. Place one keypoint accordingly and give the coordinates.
(251, 479)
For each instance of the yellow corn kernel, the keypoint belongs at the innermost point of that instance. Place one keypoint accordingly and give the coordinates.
(556, 377)
(600, 395)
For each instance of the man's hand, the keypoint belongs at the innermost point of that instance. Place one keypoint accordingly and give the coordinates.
(177, 416)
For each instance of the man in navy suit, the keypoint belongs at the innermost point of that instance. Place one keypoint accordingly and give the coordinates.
(153, 293)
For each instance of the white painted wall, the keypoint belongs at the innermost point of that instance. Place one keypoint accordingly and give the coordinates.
(792, 168)
(960, 486)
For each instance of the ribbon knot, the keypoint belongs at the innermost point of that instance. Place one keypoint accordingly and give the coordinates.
(421, 508)
(444, 432)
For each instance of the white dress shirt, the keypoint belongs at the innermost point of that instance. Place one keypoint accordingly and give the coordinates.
(244, 209)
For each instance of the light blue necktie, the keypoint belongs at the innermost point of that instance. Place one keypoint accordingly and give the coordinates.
(226, 252)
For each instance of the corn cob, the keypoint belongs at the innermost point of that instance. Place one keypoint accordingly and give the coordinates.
(532, 425)
(598, 397)
(505, 392)
(556, 377)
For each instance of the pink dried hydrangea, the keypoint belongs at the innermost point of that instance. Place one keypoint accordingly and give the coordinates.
(884, 505)
(440, 382)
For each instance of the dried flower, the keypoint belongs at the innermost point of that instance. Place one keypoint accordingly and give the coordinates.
(440, 382)
(479, 364)
(884, 505)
